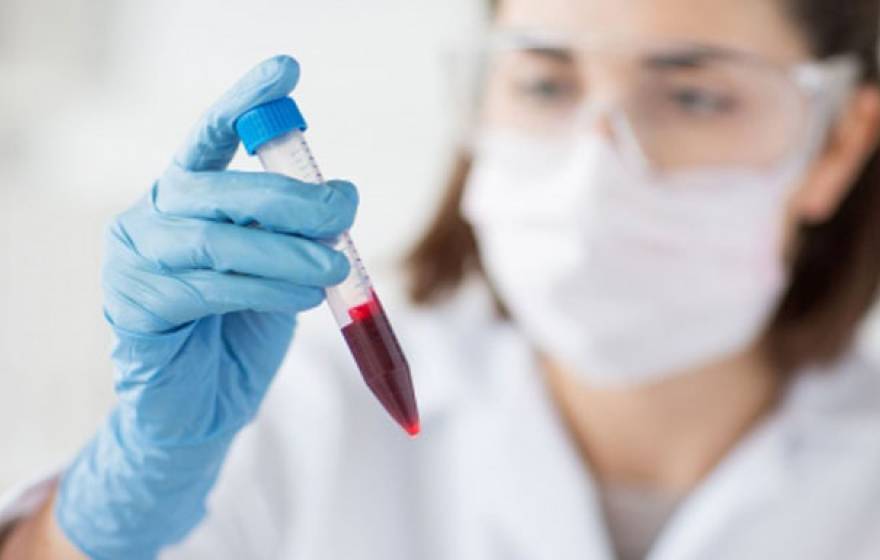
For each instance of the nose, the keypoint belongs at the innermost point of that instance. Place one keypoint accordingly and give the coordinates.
(611, 123)
(597, 118)
(602, 126)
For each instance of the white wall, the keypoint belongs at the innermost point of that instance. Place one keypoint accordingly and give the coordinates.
(94, 97)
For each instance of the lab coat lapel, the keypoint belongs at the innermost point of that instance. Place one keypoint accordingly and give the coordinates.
(764, 497)
(748, 480)
(532, 499)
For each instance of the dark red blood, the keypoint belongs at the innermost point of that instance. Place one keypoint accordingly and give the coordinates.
(384, 368)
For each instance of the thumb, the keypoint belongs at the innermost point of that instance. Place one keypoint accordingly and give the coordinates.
(213, 142)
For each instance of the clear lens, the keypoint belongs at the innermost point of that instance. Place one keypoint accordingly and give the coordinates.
(684, 107)
(717, 113)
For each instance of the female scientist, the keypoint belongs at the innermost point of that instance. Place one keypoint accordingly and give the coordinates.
(634, 331)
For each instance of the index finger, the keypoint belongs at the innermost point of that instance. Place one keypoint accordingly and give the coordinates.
(213, 142)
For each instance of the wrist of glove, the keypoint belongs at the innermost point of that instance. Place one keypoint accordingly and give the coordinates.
(138, 485)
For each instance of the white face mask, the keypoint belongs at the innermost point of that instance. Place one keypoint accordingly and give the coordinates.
(622, 277)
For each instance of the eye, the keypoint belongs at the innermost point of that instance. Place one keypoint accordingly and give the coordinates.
(701, 102)
(547, 90)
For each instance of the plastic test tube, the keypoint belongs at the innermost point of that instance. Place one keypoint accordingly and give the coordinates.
(274, 131)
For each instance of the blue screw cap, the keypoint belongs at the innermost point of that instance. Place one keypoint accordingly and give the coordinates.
(268, 121)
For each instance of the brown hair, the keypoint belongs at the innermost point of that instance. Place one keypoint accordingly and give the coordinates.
(835, 267)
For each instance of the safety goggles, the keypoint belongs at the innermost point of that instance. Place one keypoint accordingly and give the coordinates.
(668, 106)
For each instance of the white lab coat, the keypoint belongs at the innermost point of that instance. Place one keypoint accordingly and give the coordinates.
(324, 474)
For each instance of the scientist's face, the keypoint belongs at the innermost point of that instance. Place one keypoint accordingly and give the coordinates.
(644, 163)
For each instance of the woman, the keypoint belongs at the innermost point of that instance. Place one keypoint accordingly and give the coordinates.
(638, 306)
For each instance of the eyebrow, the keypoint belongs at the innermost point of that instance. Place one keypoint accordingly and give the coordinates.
(553, 53)
(686, 57)
(683, 60)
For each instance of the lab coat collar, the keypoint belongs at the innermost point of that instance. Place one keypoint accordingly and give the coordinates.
(531, 497)
(754, 474)
(561, 516)
(519, 518)
(819, 431)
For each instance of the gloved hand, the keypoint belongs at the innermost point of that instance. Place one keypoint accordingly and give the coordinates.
(203, 306)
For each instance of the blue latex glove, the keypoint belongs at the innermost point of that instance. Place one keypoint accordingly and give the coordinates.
(203, 307)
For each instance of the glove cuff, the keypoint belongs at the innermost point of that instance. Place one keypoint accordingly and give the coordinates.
(119, 500)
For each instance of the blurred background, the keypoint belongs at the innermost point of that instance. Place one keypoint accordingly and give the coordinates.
(95, 95)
